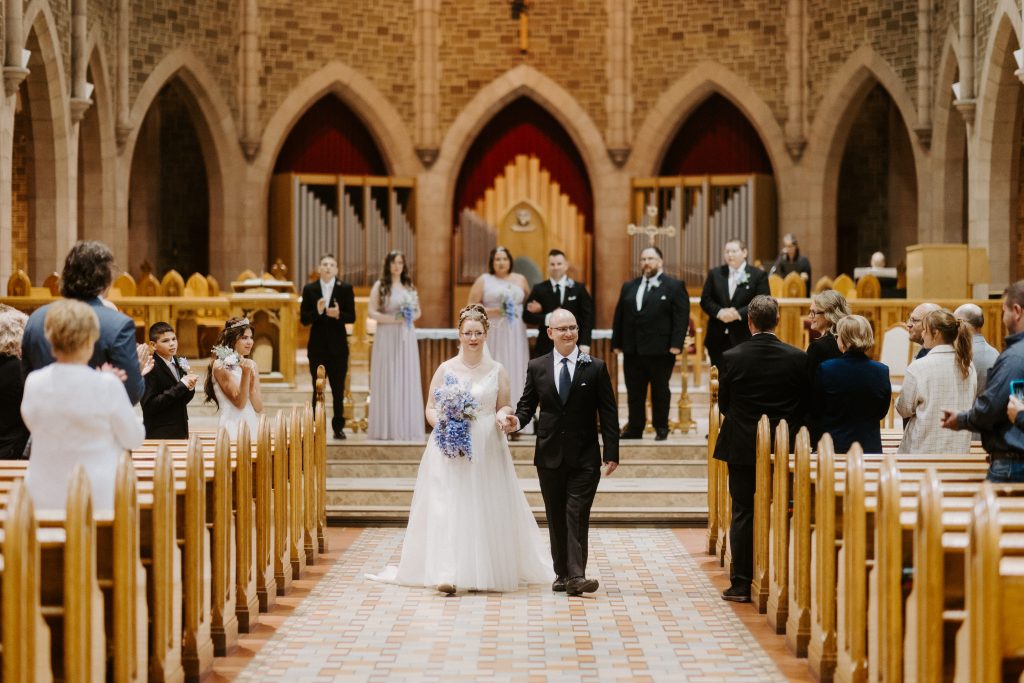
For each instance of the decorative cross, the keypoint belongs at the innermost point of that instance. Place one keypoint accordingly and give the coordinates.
(650, 228)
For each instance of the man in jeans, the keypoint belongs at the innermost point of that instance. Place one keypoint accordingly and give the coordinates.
(1003, 441)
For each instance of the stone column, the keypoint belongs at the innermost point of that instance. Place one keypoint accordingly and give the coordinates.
(14, 42)
(80, 98)
(923, 127)
(966, 103)
(123, 124)
(249, 79)
(796, 86)
(619, 69)
(427, 76)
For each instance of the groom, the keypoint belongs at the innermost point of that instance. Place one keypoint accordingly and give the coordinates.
(573, 391)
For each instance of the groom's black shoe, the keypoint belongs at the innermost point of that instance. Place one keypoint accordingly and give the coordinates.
(338, 434)
(579, 585)
(559, 585)
(661, 435)
(733, 594)
(627, 434)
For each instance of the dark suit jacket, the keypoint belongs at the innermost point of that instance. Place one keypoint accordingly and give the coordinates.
(577, 301)
(660, 324)
(327, 337)
(764, 376)
(13, 433)
(165, 403)
(570, 431)
(853, 394)
(715, 296)
(116, 345)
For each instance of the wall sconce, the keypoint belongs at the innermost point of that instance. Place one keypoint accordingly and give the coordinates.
(25, 56)
(956, 90)
(87, 90)
(1018, 56)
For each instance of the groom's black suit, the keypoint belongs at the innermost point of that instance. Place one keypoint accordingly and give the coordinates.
(568, 455)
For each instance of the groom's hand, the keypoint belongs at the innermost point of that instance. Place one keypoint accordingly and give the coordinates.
(511, 424)
(609, 467)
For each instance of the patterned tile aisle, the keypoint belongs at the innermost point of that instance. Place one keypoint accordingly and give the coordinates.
(656, 618)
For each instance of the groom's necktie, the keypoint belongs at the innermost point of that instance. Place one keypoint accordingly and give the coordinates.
(564, 382)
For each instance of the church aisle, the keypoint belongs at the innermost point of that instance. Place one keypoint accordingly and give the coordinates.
(657, 617)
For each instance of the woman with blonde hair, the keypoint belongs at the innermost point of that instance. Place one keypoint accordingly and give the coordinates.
(852, 391)
(945, 379)
(13, 433)
(827, 309)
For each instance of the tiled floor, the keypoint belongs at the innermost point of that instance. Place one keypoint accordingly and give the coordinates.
(657, 617)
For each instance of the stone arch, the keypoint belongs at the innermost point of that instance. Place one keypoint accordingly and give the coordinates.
(97, 156)
(995, 172)
(833, 119)
(218, 137)
(949, 151)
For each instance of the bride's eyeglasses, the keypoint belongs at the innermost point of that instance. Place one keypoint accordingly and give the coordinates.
(472, 335)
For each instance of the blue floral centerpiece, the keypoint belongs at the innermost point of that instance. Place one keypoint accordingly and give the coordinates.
(409, 307)
(456, 408)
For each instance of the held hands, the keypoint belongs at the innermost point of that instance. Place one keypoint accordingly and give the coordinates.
(248, 364)
(534, 307)
(728, 315)
(1014, 406)
(507, 423)
(334, 311)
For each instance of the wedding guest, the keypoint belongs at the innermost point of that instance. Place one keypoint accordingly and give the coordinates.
(1001, 438)
(791, 261)
(87, 274)
(502, 293)
(169, 387)
(915, 326)
(764, 376)
(559, 291)
(942, 380)
(983, 354)
(13, 433)
(327, 305)
(93, 429)
(728, 290)
(233, 381)
(878, 260)
(651, 320)
(396, 399)
(852, 391)
(827, 309)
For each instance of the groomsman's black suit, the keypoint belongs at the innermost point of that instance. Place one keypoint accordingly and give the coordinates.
(575, 299)
(328, 340)
(764, 376)
(715, 296)
(568, 456)
(165, 401)
(645, 336)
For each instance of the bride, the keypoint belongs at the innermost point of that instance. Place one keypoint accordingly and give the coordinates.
(470, 526)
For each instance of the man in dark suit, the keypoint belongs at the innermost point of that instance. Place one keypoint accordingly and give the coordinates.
(327, 304)
(763, 376)
(727, 291)
(559, 291)
(169, 387)
(651, 321)
(87, 274)
(574, 393)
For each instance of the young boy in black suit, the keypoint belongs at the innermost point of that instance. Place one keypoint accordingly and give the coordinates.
(169, 387)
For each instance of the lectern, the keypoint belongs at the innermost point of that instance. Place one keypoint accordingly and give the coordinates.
(945, 271)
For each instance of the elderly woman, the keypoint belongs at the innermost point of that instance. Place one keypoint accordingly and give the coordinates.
(852, 390)
(13, 433)
(827, 309)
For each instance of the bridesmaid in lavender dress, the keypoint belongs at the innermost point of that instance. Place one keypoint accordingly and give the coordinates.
(396, 398)
(502, 293)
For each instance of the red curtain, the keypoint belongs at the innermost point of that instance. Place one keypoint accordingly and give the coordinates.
(330, 138)
(523, 127)
(716, 139)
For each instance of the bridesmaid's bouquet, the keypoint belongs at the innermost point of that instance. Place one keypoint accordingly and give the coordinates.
(229, 357)
(409, 307)
(508, 306)
(456, 408)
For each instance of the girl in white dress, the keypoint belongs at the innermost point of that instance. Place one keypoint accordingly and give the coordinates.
(470, 526)
(76, 414)
(396, 395)
(502, 293)
(233, 382)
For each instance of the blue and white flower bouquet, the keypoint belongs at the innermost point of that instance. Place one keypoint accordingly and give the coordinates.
(456, 408)
(409, 307)
(228, 357)
(508, 306)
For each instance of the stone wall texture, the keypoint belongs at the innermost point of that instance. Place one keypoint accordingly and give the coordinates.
(102, 18)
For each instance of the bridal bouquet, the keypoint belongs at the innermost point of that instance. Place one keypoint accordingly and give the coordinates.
(456, 408)
(508, 306)
(229, 357)
(409, 307)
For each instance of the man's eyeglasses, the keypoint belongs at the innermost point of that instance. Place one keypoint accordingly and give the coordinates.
(573, 329)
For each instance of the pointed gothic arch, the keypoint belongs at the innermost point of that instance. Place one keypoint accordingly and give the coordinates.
(97, 156)
(996, 173)
(829, 134)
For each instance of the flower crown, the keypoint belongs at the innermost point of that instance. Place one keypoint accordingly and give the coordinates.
(244, 322)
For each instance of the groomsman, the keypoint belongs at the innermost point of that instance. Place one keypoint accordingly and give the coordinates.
(728, 290)
(327, 304)
(651, 321)
(559, 291)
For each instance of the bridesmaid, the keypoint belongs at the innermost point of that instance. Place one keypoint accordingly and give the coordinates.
(396, 399)
(502, 293)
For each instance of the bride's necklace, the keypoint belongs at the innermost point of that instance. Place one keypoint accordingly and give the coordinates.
(472, 367)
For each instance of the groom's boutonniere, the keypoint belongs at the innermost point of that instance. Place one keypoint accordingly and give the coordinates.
(569, 282)
(584, 359)
(744, 278)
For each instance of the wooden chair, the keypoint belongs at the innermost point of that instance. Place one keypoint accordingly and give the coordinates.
(775, 286)
(52, 283)
(246, 275)
(824, 282)
(172, 284)
(19, 284)
(868, 287)
(844, 285)
(125, 284)
(794, 287)
(212, 286)
(148, 285)
(896, 352)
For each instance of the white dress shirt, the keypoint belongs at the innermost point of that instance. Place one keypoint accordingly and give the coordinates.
(326, 288)
(734, 277)
(645, 287)
(172, 366)
(573, 357)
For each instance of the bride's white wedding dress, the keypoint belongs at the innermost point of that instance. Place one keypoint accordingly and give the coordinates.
(470, 523)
